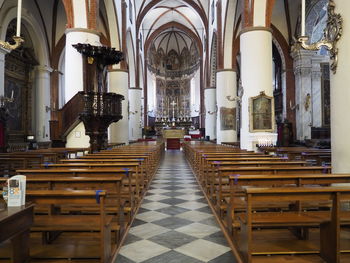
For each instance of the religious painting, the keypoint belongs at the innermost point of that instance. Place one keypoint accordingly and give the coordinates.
(261, 111)
(227, 118)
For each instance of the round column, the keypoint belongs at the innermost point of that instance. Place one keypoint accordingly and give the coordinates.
(135, 131)
(302, 60)
(340, 97)
(226, 95)
(73, 59)
(118, 83)
(256, 68)
(42, 104)
(210, 112)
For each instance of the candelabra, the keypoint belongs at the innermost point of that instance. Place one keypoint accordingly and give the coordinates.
(5, 100)
(9, 47)
(331, 35)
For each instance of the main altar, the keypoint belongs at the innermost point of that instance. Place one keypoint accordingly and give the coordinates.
(173, 138)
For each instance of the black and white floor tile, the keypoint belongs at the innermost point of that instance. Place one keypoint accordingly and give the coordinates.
(174, 223)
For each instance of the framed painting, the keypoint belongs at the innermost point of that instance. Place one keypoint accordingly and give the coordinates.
(261, 113)
(227, 118)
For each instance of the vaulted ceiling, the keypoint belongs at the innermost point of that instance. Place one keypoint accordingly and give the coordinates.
(190, 15)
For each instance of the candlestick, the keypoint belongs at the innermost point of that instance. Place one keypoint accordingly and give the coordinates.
(12, 94)
(303, 9)
(19, 14)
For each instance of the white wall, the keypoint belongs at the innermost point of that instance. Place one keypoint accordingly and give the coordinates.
(77, 138)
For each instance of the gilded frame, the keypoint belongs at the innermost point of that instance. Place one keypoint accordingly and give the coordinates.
(261, 113)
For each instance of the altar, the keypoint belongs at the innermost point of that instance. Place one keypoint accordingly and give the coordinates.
(173, 137)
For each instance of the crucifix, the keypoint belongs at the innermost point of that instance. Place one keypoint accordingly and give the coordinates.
(173, 104)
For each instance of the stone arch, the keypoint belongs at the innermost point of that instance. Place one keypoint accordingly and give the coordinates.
(131, 59)
(213, 60)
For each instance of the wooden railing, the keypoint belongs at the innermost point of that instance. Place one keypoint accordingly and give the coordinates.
(66, 118)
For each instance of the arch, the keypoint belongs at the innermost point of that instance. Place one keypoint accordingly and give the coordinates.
(178, 26)
(57, 52)
(35, 31)
(112, 22)
(213, 60)
(191, 3)
(68, 6)
(235, 44)
(287, 60)
(131, 59)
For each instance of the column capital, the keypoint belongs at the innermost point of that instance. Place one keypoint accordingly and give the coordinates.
(255, 28)
(118, 70)
(300, 53)
(83, 30)
(4, 51)
(207, 88)
(227, 70)
(44, 68)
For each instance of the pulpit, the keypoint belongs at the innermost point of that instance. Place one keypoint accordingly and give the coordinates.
(100, 108)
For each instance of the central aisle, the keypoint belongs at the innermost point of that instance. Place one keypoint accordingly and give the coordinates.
(174, 223)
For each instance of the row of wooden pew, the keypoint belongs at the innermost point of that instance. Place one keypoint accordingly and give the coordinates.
(84, 206)
(10, 162)
(313, 155)
(271, 205)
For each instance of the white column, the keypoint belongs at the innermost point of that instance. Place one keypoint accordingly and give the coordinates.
(73, 59)
(3, 53)
(118, 83)
(226, 95)
(256, 68)
(340, 97)
(210, 112)
(135, 130)
(42, 103)
(316, 93)
(303, 83)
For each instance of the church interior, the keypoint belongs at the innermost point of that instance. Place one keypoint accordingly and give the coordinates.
(177, 131)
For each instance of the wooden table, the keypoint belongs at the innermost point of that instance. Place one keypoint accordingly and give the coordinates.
(15, 223)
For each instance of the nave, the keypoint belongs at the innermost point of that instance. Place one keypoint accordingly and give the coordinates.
(174, 223)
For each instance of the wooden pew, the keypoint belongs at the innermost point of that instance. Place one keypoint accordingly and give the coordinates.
(328, 221)
(239, 182)
(139, 181)
(219, 180)
(102, 223)
(8, 165)
(131, 195)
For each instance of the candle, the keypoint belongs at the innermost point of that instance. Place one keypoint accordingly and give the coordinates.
(303, 8)
(19, 14)
(12, 94)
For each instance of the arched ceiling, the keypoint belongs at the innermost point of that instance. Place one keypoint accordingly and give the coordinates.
(153, 14)
(172, 39)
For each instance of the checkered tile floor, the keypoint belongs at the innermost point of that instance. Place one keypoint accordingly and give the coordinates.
(174, 223)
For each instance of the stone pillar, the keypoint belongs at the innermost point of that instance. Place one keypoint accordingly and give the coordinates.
(73, 59)
(226, 97)
(118, 83)
(135, 114)
(42, 103)
(303, 92)
(210, 112)
(256, 68)
(316, 92)
(340, 97)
